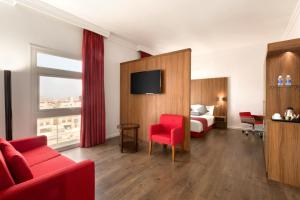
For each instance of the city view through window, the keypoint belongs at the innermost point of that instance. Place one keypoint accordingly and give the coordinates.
(60, 131)
(59, 93)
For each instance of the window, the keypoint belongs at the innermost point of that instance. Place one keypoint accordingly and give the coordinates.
(58, 93)
(56, 62)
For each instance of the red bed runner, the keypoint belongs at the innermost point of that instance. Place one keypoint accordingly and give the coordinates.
(204, 125)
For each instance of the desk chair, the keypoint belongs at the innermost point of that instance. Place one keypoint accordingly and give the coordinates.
(256, 123)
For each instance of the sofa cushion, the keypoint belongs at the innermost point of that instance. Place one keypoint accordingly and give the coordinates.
(6, 178)
(17, 164)
(40, 154)
(51, 165)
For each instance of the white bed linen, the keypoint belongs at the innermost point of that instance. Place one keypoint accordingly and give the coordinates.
(197, 126)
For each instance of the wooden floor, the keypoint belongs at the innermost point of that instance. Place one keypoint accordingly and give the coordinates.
(223, 165)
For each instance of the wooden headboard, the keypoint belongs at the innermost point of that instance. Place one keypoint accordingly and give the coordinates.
(210, 91)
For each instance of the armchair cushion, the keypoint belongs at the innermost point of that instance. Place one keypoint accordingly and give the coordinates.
(17, 164)
(6, 178)
(40, 154)
(163, 138)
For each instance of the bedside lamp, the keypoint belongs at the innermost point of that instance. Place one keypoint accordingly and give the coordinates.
(221, 98)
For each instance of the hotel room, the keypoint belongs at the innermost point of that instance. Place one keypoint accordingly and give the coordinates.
(149, 99)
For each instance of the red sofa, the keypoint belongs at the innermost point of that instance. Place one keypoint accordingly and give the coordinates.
(54, 177)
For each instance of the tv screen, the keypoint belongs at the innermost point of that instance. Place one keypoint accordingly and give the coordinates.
(147, 82)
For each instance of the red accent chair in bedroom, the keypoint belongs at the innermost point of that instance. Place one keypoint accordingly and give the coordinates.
(169, 131)
(29, 169)
(256, 122)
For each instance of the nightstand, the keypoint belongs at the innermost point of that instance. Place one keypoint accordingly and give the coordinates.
(220, 122)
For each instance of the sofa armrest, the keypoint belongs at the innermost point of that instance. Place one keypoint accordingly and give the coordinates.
(75, 182)
(177, 135)
(26, 144)
(154, 128)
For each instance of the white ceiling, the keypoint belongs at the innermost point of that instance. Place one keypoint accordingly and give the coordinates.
(204, 26)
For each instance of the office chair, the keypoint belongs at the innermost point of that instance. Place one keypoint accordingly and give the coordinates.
(256, 123)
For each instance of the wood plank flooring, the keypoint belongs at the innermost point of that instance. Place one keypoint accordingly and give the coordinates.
(223, 165)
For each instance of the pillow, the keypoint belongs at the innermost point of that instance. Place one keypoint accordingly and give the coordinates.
(210, 110)
(6, 179)
(4, 143)
(195, 113)
(198, 109)
(16, 163)
(203, 110)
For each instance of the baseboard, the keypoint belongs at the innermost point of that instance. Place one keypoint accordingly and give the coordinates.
(112, 135)
(235, 127)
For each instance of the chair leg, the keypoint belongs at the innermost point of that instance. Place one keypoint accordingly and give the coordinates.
(150, 148)
(173, 153)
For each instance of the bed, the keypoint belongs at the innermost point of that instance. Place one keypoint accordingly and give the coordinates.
(201, 123)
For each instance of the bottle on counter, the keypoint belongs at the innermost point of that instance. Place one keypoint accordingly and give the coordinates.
(288, 80)
(280, 81)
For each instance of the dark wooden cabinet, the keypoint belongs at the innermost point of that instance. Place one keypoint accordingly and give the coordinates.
(220, 122)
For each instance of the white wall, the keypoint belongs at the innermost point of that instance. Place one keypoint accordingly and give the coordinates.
(295, 31)
(293, 28)
(21, 27)
(114, 54)
(245, 69)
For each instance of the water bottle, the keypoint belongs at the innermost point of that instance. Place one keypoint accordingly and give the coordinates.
(280, 81)
(288, 80)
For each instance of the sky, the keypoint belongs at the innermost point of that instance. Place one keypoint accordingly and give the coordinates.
(54, 87)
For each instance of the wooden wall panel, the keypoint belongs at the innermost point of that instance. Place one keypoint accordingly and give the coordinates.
(279, 98)
(284, 152)
(207, 91)
(282, 139)
(175, 99)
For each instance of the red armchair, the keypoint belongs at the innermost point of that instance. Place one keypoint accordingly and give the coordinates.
(54, 176)
(170, 131)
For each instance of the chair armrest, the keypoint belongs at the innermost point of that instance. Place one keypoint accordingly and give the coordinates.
(248, 120)
(75, 182)
(177, 135)
(258, 117)
(154, 128)
(26, 144)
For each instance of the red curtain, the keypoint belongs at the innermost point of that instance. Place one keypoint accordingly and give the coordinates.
(93, 105)
(144, 54)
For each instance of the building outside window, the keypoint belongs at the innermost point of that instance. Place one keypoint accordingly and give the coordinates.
(58, 93)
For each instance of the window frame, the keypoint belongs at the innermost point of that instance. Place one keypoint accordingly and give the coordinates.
(37, 71)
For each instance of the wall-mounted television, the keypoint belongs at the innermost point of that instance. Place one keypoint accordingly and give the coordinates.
(146, 82)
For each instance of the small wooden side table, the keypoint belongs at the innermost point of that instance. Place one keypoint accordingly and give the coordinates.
(131, 127)
(220, 122)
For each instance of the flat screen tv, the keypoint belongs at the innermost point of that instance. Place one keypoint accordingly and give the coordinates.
(146, 82)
